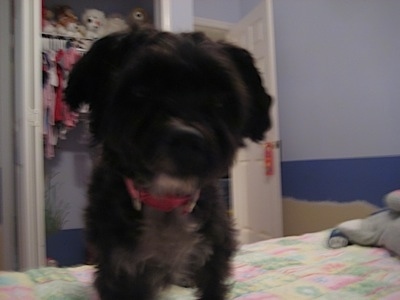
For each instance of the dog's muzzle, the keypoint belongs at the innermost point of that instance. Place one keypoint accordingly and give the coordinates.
(165, 203)
(184, 140)
(184, 151)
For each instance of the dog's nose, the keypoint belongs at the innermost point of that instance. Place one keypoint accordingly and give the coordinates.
(187, 152)
(186, 142)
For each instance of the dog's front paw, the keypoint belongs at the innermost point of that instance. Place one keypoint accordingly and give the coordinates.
(214, 292)
(123, 288)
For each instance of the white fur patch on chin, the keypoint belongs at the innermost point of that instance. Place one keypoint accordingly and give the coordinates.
(164, 184)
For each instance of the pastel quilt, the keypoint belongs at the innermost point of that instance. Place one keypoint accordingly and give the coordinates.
(298, 267)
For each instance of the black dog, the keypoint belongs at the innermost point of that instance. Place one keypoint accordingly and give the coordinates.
(168, 112)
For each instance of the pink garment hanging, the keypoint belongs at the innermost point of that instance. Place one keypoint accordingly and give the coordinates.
(57, 116)
(58, 110)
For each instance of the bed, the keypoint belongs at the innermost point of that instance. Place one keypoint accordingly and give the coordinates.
(297, 267)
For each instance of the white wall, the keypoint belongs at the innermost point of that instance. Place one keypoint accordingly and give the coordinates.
(221, 10)
(230, 11)
(338, 68)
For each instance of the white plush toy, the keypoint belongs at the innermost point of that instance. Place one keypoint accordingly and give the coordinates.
(380, 229)
(94, 21)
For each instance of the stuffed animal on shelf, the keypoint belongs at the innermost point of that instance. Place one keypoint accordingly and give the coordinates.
(138, 15)
(94, 21)
(67, 21)
(70, 29)
(381, 229)
(115, 23)
(48, 23)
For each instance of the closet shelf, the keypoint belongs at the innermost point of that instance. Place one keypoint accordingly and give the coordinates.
(64, 37)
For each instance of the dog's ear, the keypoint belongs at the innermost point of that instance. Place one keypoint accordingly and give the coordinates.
(258, 116)
(92, 78)
(90, 74)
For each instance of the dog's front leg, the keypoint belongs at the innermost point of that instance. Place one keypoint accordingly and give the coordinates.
(211, 279)
(119, 279)
(122, 288)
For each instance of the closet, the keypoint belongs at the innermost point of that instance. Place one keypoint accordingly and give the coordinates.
(60, 178)
(67, 160)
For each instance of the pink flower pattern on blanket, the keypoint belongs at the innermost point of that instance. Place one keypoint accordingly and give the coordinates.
(245, 272)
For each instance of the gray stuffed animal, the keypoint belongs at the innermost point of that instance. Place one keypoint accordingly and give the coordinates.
(381, 229)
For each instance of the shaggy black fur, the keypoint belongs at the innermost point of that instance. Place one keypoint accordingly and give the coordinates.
(169, 112)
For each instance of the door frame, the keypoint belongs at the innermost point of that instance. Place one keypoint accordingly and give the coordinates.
(22, 182)
(7, 218)
(29, 164)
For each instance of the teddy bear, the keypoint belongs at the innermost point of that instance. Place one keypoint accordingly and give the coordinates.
(138, 15)
(380, 229)
(67, 21)
(48, 23)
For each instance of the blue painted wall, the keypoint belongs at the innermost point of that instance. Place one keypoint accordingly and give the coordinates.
(341, 180)
(338, 68)
(67, 247)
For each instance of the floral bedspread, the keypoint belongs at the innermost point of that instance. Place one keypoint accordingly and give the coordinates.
(299, 267)
(302, 267)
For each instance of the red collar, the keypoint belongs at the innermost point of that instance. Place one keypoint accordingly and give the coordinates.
(162, 203)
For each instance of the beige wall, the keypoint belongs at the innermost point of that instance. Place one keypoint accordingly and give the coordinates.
(301, 216)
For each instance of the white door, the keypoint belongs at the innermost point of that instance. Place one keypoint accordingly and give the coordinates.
(256, 196)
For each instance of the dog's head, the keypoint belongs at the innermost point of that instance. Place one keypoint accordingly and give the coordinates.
(170, 110)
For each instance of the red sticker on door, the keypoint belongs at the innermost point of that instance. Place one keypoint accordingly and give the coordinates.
(269, 159)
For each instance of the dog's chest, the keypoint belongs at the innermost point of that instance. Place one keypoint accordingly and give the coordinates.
(172, 242)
